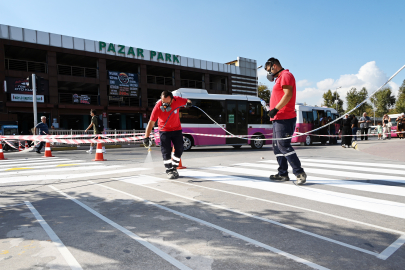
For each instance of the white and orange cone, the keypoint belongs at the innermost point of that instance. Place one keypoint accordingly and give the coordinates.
(26, 145)
(1, 152)
(20, 146)
(99, 153)
(48, 152)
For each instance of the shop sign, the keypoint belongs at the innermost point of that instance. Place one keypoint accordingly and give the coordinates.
(138, 53)
(83, 99)
(104, 114)
(26, 98)
(20, 86)
(123, 83)
(115, 98)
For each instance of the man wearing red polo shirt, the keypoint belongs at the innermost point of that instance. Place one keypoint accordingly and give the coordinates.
(169, 130)
(282, 113)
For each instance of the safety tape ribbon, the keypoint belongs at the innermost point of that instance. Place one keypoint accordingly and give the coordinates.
(42, 137)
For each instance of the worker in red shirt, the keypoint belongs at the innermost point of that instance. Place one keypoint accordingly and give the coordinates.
(282, 113)
(169, 130)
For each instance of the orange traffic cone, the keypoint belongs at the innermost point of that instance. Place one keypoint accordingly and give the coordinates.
(48, 152)
(20, 146)
(26, 145)
(99, 153)
(1, 152)
(180, 164)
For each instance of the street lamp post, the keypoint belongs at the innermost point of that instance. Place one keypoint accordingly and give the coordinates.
(336, 100)
(257, 77)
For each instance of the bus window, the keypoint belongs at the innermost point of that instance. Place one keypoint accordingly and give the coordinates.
(214, 108)
(328, 114)
(255, 112)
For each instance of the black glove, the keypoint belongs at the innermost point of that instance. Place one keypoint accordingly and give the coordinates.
(273, 113)
(146, 142)
(189, 104)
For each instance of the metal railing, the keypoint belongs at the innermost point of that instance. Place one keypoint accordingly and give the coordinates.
(77, 71)
(30, 66)
(160, 80)
(67, 98)
(191, 84)
(123, 101)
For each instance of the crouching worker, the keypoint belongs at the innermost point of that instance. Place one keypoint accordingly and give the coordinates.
(169, 130)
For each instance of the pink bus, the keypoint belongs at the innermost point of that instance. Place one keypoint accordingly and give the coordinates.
(239, 114)
(308, 118)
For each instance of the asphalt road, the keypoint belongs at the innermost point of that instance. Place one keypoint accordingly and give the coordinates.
(69, 212)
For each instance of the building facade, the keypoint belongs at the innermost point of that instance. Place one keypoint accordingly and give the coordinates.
(121, 82)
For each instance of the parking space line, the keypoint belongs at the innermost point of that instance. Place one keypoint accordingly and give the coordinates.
(71, 261)
(234, 234)
(297, 207)
(256, 217)
(392, 248)
(137, 238)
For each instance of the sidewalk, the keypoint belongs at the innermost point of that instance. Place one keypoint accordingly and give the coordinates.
(391, 149)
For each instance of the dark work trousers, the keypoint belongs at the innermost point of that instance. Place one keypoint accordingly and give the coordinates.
(39, 146)
(170, 160)
(283, 149)
(364, 131)
(354, 132)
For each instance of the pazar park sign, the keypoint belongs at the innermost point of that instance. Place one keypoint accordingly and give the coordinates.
(153, 55)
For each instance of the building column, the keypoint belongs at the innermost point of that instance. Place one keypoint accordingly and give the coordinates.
(144, 86)
(102, 73)
(177, 78)
(207, 81)
(53, 84)
(3, 94)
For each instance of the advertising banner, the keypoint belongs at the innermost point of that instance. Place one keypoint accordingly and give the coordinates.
(20, 86)
(26, 98)
(123, 83)
(83, 99)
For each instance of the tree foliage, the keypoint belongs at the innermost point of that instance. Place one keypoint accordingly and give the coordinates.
(354, 98)
(383, 101)
(264, 92)
(329, 100)
(400, 104)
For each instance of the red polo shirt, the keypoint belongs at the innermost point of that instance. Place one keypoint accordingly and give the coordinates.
(173, 123)
(288, 111)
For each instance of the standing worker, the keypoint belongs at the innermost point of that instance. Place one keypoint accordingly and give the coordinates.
(364, 124)
(42, 130)
(282, 113)
(169, 130)
(96, 128)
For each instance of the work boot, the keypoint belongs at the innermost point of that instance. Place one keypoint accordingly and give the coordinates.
(301, 178)
(278, 177)
(170, 174)
(176, 173)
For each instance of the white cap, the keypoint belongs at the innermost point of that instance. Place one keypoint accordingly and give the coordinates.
(402, 114)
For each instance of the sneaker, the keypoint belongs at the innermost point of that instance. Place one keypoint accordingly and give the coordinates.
(344, 146)
(278, 177)
(171, 175)
(89, 151)
(301, 178)
(104, 151)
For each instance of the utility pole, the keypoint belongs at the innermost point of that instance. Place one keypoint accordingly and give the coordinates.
(336, 100)
(257, 77)
(34, 99)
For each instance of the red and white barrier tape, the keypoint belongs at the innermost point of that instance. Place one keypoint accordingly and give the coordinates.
(42, 137)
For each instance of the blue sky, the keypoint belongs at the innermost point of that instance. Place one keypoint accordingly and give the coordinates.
(325, 44)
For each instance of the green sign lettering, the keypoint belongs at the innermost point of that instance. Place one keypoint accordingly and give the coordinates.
(131, 51)
(122, 49)
(152, 54)
(175, 59)
(168, 57)
(101, 45)
(139, 52)
(111, 48)
(160, 56)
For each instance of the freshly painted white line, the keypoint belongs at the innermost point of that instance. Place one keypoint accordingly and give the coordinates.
(59, 169)
(244, 238)
(4, 206)
(143, 177)
(108, 170)
(378, 169)
(23, 161)
(137, 238)
(29, 164)
(340, 173)
(356, 163)
(47, 165)
(383, 207)
(71, 261)
(296, 207)
(392, 248)
(369, 187)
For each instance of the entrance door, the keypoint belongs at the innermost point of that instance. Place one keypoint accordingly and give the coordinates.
(236, 121)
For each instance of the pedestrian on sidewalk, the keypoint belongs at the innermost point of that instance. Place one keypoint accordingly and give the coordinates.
(169, 130)
(355, 124)
(401, 125)
(42, 129)
(282, 113)
(346, 131)
(379, 130)
(96, 128)
(364, 125)
(386, 127)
